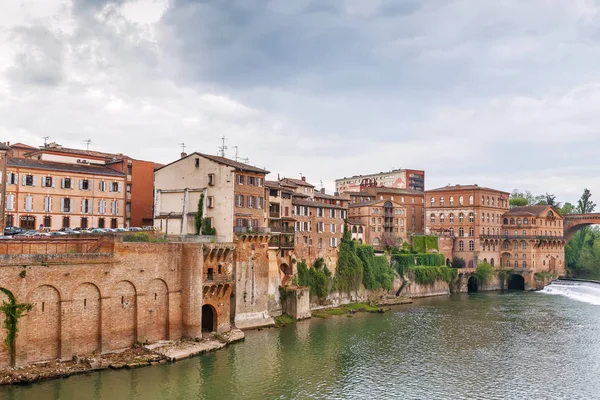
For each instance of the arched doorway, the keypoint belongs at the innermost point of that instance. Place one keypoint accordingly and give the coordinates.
(209, 319)
(516, 282)
(472, 285)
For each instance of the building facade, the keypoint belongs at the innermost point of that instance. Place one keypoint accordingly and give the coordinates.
(465, 213)
(233, 196)
(398, 178)
(139, 187)
(55, 195)
(378, 223)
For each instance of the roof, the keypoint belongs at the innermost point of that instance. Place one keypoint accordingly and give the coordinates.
(221, 160)
(394, 171)
(234, 164)
(373, 202)
(311, 203)
(385, 189)
(298, 182)
(276, 185)
(464, 187)
(65, 167)
(23, 146)
(328, 196)
(355, 222)
(4, 147)
(529, 210)
(79, 152)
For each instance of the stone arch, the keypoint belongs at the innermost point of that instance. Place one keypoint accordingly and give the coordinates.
(123, 315)
(492, 262)
(472, 285)
(86, 314)
(516, 282)
(157, 312)
(41, 327)
(209, 318)
(285, 269)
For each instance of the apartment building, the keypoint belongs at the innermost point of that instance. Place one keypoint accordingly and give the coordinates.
(139, 186)
(466, 213)
(233, 193)
(378, 222)
(410, 179)
(57, 195)
(281, 216)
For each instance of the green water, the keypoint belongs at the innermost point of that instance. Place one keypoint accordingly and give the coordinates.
(482, 346)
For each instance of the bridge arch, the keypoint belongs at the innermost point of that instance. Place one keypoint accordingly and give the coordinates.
(574, 222)
(516, 282)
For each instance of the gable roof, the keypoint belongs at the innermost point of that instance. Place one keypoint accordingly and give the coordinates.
(298, 182)
(63, 167)
(22, 146)
(530, 211)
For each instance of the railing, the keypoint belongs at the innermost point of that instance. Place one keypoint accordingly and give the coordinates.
(274, 214)
(283, 242)
(250, 230)
(510, 237)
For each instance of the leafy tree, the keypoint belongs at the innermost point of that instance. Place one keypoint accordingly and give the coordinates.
(349, 273)
(198, 217)
(585, 205)
(551, 201)
(567, 208)
(518, 202)
(390, 241)
(458, 262)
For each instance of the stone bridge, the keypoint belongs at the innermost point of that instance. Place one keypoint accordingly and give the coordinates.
(574, 222)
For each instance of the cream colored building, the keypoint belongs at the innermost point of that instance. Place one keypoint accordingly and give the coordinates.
(60, 195)
(234, 196)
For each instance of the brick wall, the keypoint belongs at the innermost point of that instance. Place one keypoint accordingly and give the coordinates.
(102, 302)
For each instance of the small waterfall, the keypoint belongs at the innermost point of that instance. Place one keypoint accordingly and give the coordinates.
(585, 291)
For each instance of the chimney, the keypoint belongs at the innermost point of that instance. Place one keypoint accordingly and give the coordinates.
(303, 178)
(183, 154)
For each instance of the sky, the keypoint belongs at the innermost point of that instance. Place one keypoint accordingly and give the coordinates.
(504, 94)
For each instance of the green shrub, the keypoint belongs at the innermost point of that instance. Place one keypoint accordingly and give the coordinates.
(316, 279)
(458, 262)
(425, 275)
(137, 237)
(485, 271)
(349, 273)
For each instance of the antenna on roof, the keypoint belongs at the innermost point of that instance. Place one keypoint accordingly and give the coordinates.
(321, 184)
(222, 148)
(87, 143)
(183, 146)
(236, 152)
(45, 140)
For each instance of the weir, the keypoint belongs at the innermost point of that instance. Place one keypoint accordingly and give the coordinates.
(587, 291)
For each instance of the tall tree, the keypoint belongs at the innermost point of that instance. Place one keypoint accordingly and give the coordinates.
(585, 205)
(567, 208)
(550, 200)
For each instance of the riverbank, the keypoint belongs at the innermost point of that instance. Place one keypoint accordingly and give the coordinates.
(135, 357)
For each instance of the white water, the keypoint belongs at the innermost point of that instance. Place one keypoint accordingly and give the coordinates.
(587, 292)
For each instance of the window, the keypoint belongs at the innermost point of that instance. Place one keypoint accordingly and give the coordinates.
(210, 201)
(461, 232)
(471, 232)
(28, 180)
(451, 218)
(86, 206)
(66, 222)
(239, 200)
(451, 201)
(113, 223)
(251, 180)
(84, 184)
(320, 243)
(492, 201)
(332, 228)
(432, 218)
(471, 200)
(84, 223)
(48, 182)
(319, 212)
(471, 217)
(461, 218)
(320, 226)
(333, 242)
(66, 183)
(101, 206)
(101, 223)
(488, 200)
(128, 188)
(524, 245)
(241, 179)
(524, 264)
(441, 202)
(211, 179)
(48, 204)
(10, 202)
(442, 218)
(102, 186)
(114, 207)
(461, 200)
(65, 205)
(47, 221)
(197, 162)
(433, 202)
(525, 221)
(471, 245)
(451, 231)
(13, 179)
(115, 187)
(461, 245)
(332, 213)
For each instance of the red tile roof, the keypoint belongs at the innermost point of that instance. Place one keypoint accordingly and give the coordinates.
(56, 166)
(298, 182)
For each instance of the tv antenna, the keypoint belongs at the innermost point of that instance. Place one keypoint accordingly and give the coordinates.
(321, 184)
(183, 146)
(45, 140)
(87, 143)
(222, 148)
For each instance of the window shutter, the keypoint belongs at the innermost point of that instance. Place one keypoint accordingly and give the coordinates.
(80, 184)
(83, 206)
(116, 207)
(62, 205)
(50, 204)
(23, 179)
(119, 187)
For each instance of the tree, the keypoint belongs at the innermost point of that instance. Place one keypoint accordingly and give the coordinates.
(198, 217)
(567, 208)
(551, 201)
(585, 205)
(518, 202)
(390, 241)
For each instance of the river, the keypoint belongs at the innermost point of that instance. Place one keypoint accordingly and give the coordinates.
(501, 345)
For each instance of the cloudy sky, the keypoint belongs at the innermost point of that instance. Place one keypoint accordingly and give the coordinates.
(501, 93)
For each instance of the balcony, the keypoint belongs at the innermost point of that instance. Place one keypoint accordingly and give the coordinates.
(517, 237)
(250, 230)
(281, 242)
(274, 214)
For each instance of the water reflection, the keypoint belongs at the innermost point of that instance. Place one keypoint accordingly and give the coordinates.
(492, 346)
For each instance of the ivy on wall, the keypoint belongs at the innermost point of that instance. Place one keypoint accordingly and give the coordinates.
(12, 312)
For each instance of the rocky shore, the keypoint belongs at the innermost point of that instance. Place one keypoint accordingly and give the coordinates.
(138, 356)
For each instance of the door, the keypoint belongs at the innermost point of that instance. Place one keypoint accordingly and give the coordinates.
(28, 222)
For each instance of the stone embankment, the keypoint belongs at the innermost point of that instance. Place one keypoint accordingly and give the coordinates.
(139, 356)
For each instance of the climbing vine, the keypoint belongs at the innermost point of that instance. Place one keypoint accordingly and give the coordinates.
(12, 312)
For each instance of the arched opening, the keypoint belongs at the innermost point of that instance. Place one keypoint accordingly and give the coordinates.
(209, 319)
(472, 285)
(447, 262)
(285, 269)
(516, 282)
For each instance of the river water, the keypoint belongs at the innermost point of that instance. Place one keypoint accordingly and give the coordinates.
(502, 345)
